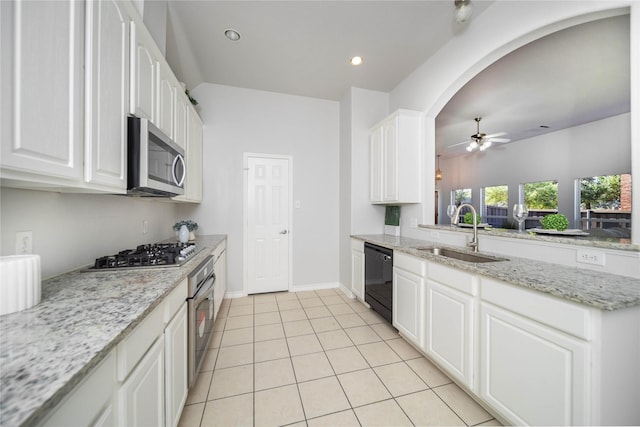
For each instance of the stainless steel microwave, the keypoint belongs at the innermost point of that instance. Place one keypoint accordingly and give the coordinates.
(156, 164)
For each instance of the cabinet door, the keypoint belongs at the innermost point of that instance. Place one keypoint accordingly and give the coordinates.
(390, 160)
(221, 281)
(142, 394)
(42, 85)
(91, 402)
(408, 305)
(357, 272)
(176, 386)
(181, 117)
(166, 100)
(375, 165)
(107, 93)
(449, 334)
(143, 75)
(193, 180)
(532, 374)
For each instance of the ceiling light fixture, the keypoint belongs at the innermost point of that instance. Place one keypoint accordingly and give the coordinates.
(356, 60)
(463, 10)
(232, 35)
(438, 171)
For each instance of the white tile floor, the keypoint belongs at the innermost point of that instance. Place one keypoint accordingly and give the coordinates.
(318, 358)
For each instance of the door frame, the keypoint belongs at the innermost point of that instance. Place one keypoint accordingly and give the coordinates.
(245, 216)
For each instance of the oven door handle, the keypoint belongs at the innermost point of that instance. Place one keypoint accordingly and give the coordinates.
(204, 291)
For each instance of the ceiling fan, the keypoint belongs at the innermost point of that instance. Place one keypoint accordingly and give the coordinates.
(482, 141)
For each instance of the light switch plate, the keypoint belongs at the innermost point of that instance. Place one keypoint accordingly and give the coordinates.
(24, 242)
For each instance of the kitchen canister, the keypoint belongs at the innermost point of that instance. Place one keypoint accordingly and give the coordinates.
(20, 285)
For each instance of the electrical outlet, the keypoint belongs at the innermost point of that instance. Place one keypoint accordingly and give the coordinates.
(590, 257)
(24, 242)
(145, 226)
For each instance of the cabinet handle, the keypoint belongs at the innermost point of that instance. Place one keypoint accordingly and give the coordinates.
(284, 231)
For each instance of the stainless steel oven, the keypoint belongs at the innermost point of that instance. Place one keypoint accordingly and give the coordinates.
(201, 312)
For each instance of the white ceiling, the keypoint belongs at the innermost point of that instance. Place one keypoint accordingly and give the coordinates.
(303, 47)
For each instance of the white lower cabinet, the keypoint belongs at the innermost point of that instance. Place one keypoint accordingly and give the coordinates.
(142, 382)
(357, 268)
(531, 373)
(92, 401)
(220, 269)
(176, 376)
(450, 331)
(141, 396)
(408, 297)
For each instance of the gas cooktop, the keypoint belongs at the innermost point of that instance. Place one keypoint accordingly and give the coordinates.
(148, 256)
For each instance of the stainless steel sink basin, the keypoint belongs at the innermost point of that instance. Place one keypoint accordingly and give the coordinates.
(462, 256)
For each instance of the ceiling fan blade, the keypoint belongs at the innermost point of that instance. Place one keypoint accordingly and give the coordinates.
(501, 140)
(460, 143)
(495, 134)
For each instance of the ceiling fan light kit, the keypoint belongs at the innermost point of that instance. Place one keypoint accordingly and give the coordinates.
(463, 10)
(482, 141)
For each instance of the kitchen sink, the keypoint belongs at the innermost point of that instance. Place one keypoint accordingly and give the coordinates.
(462, 256)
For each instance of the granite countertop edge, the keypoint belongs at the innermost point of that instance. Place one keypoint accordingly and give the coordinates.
(35, 373)
(601, 243)
(596, 289)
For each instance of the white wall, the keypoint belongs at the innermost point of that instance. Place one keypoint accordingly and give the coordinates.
(592, 149)
(432, 84)
(359, 110)
(72, 230)
(244, 120)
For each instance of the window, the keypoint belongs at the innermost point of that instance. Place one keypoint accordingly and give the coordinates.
(605, 204)
(542, 199)
(495, 205)
(459, 197)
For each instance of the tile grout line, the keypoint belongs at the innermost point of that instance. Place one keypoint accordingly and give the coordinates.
(324, 353)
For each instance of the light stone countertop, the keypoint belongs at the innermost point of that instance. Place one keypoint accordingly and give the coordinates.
(601, 290)
(616, 243)
(45, 351)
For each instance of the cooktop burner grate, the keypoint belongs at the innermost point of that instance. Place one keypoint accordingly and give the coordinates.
(150, 255)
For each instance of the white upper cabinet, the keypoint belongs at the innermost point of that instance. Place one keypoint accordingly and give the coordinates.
(193, 181)
(181, 116)
(107, 93)
(395, 156)
(144, 74)
(166, 99)
(41, 92)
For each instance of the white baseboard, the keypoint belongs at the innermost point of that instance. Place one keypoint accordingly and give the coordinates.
(314, 286)
(237, 294)
(347, 291)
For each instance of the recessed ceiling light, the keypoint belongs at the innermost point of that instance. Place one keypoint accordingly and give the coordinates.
(356, 60)
(232, 35)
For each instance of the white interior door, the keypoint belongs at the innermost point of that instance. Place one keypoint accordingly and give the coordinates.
(268, 231)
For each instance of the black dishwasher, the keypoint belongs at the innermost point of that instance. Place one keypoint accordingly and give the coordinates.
(378, 279)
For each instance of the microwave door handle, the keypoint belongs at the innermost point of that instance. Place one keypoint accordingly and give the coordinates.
(177, 159)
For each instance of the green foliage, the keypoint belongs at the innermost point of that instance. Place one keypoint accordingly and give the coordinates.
(555, 222)
(600, 192)
(468, 218)
(541, 195)
(496, 196)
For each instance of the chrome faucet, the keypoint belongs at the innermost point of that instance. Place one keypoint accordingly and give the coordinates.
(474, 242)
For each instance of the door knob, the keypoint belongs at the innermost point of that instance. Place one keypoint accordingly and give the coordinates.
(284, 232)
